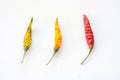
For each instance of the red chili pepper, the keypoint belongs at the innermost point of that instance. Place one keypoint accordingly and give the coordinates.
(89, 35)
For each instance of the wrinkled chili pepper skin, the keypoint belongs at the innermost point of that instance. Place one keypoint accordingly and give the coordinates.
(27, 38)
(88, 31)
(88, 34)
(58, 39)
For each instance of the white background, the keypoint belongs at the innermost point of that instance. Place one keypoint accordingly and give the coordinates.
(102, 64)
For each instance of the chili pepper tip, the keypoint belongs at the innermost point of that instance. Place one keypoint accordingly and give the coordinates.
(31, 20)
(84, 15)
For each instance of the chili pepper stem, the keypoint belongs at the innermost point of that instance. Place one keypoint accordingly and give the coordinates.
(55, 50)
(91, 47)
(23, 57)
(51, 58)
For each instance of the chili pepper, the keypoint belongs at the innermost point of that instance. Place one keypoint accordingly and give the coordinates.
(27, 38)
(58, 39)
(89, 35)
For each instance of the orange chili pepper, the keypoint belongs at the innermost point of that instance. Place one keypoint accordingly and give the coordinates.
(58, 39)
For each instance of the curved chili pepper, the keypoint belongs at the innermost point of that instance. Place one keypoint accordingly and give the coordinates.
(58, 39)
(89, 35)
(27, 38)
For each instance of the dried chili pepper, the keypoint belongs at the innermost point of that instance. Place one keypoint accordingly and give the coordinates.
(89, 35)
(27, 38)
(58, 39)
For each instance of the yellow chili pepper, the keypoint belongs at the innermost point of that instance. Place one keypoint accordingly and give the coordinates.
(27, 38)
(58, 39)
